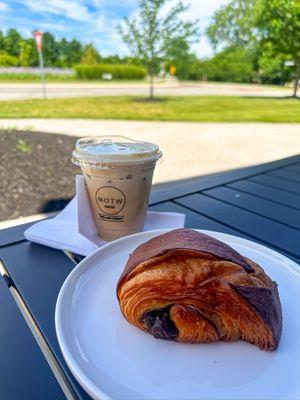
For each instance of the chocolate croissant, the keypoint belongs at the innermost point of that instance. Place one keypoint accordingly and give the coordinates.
(189, 287)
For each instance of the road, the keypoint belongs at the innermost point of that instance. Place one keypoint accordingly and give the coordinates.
(16, 91)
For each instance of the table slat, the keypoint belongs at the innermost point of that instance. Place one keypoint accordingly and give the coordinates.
(38, 273)
(286, 174)
(267, 192)
(265, 208)
(194, 219)
(13, 235)
(294, 167)
(24, 372)
(188, 186)
(278, 183)
(273, 233)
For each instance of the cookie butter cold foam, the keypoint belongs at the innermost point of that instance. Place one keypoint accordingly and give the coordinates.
(118, 173)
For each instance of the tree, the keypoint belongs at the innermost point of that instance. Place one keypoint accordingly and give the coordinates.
(6, 60)
(12, 42)
(116, 59)
(272, 67)
(233, 24)
(279, 24)
(90, 55)
(181, 57)
(50, 50)
(70, 53)
(74, 54)
(271, 23)
(25, 53)
(234, 64)
(2, 44)
(63, 52)
(59, 53)
(153, 33)
(28, 54)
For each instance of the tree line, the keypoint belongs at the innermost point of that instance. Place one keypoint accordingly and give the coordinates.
(235, 63)
(267, 29)
(254, 41)
(16, 50)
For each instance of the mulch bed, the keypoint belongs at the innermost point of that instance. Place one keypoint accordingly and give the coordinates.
(36, 173)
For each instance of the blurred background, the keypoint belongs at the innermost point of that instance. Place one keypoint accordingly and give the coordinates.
(214, 84)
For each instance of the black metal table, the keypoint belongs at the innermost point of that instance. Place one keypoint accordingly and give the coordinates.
(261, 203)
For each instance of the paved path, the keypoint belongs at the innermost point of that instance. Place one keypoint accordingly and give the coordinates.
(190, 149)
(13, 91)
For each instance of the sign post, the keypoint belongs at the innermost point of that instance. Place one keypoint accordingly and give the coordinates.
(38, 38)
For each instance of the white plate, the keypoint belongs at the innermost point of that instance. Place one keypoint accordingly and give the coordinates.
(113, 359)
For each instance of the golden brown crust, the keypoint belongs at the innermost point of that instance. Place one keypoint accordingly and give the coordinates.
(197, 290)
(183, 239)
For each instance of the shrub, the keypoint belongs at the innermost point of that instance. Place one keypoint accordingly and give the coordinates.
(6, 60)
(117, 71)
(199, 70)
(230, 65)
(272, 69)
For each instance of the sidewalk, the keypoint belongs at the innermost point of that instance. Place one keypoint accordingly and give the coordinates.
(190, 149)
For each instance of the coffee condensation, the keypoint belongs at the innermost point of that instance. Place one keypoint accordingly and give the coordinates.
(118, 173)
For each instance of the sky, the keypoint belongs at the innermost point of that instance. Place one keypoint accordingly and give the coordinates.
(93, 20)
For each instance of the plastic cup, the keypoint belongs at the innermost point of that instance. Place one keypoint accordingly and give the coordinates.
(118, 173)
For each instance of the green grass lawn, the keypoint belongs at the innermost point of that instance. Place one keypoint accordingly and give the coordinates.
(193, 108)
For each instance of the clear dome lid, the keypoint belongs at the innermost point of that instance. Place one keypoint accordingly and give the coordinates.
(114, 149)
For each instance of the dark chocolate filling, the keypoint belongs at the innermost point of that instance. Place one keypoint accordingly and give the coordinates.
(159, 324)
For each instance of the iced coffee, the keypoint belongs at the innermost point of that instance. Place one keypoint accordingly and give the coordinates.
(118, 174)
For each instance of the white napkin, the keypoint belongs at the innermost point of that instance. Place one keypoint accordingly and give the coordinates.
(73, 228)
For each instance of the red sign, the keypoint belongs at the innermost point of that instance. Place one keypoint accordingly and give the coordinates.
(38, 38)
